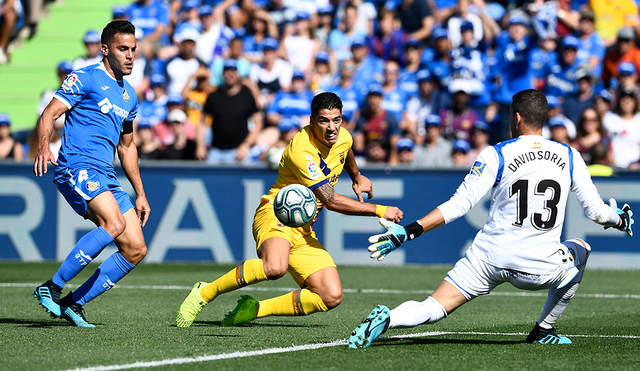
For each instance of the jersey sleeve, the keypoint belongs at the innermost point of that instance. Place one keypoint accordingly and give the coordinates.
(476, 184)
(587, 194)
(75, 86)
(307, 165)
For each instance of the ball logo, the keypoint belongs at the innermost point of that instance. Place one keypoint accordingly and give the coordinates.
(92, 185)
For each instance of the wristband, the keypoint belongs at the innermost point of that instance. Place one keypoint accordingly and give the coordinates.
(414, 230)
(380, 210)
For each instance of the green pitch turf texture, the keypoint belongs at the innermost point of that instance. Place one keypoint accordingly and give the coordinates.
(136, 323)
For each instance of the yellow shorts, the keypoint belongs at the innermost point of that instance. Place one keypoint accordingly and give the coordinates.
(306, 256)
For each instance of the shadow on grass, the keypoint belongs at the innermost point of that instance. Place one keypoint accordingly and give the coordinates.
(37, 324)
(256, 324)
(430, 341)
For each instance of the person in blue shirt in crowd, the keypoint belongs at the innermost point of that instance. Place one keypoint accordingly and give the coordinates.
(555, 112)
(155, 108)
(189, 16)
(294, 105)
(562, 80)
(100, 108)
(152, 18)
(407, 80)
(513, 50)
(348, 93)
(394, 99)
(584, 97)
(438, 58)
(592, 49)
(341, 39)
(543, 57)
(428, 102)
(368, 67)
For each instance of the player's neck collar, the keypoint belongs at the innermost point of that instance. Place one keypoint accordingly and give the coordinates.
(104, 69)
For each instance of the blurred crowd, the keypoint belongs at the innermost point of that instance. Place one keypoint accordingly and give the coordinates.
(424, 83)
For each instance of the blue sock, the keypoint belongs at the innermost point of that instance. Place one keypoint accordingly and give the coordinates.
(89, 246)
(108, 273)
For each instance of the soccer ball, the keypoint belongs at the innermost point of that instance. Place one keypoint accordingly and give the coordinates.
(295, 205)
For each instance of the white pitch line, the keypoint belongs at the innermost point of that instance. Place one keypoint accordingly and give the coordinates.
(296, 348)
(348, 291)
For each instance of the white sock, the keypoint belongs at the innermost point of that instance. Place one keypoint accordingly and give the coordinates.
(413, 313)
(557, 301)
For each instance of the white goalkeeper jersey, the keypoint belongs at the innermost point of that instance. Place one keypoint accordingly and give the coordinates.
(530, 178)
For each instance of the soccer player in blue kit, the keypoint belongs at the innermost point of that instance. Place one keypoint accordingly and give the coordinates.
(100, 107)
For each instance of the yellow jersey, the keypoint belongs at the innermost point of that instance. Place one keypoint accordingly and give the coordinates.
(611, 15)
(309, 162)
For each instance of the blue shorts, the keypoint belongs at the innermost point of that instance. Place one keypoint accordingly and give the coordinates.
(79, 186)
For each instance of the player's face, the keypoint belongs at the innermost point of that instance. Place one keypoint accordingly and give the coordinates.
(326, 126)
(120, 53)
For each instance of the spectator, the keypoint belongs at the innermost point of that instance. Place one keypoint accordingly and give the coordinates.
(238, 16)
(541, 59)
(405, 151)
(287, 129)
(194, 98)
(379, 125)
(589, 132)
(613, 16)
(602, 103)
(280, 13)
(149, 147)
(351, 97)
(592, 47)
(189, 16)
(513, 49)
(627, 76)
(341, 38)
(322, 73)
(182, 66)
(468, 62)
(557, 130)
(298, 45)
(460, 149)
(154, 107)
(460, 16)
(584, 97)
(261, 29)
(479, 140)
(436, 150)
(394, 99)
(438, 58)
(623, 50)
(215, 34)
(294, 105)
(601, 160)
(9, 148)
(366, 15)
(325, 26)
(64, 68)
(235, 51)
(427, 102)
(458, 119)
(151, 17)
(408, 80)
(272, 75)
(561, 81)
(623, 127)
(389, 40)
(182, 148)
(119, 13)
(8, 18)
(368, 67)
(94, 55)
(416, 18)
(555, 111)
(231, 107)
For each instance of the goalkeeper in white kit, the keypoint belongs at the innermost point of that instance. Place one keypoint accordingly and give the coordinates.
(530, 178)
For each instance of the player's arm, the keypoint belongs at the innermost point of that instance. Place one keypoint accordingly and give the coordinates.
(128, 154)
(344, 205)
(44, 129)
(361, 184)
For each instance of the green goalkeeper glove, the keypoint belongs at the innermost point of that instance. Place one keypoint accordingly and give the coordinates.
(385, 243)
(625, 215)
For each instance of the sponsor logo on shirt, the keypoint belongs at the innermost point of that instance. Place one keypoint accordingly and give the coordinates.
(106, 106)
(478, 168)
(69, 81)
(93, 185)
(313, 169)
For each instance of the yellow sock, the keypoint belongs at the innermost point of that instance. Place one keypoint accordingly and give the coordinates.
(247, 273)
(297, 303)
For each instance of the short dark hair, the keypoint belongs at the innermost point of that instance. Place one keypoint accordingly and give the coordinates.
(532, 106)
(116, 27)
(325, 101)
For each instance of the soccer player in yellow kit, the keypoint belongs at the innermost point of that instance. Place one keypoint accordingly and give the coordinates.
(315, 158)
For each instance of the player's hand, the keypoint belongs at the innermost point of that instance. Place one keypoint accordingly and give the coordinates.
(43, 156)
(143, 210)
(393, 214)
(385, 243)
(625, 215)
(242, 151)
(201, 152)
(361, 185)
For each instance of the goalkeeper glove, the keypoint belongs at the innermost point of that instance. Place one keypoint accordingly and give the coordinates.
(625, 215)
(385, 243)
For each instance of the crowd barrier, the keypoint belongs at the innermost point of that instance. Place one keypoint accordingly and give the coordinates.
(204, 214)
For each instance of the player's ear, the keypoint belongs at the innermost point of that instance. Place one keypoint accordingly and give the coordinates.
(105, 49)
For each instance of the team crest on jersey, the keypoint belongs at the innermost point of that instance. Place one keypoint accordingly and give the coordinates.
(125, 95)
(313, 169)
(69, 81)
(342, 158)
(92, 185)
(478, 168)
(536, 145)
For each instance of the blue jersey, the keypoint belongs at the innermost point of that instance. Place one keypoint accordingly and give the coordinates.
(351, 98)
(438, 65)
(291, 104)
(98, 106)
(395, 102)
(408, 82)
(147, 17)
(368, 72)
(592, 46)
(514, 59)
(561, 81)
(542, 61)
(155, 111)
(470, 63)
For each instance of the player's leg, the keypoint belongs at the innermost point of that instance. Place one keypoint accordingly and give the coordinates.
(560, 295)
(79, 188)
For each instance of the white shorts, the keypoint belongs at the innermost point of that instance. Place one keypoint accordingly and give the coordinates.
(474, 277)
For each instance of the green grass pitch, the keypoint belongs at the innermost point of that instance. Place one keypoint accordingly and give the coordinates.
(136, 323)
